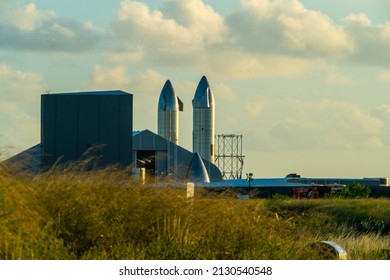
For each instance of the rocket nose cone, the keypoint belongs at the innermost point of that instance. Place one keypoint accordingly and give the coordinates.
(204, 80)
(204, 97)
(168, 100)
(202, 86)
(167, 86)
(197, 171)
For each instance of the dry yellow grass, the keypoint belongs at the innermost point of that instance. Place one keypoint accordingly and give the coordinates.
(68, 213)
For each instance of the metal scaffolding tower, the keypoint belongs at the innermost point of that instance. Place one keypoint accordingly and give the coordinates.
(229, 158)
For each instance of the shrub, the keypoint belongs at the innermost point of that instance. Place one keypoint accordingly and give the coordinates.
(355, 191)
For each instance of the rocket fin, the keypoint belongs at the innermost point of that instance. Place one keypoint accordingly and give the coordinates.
(181, 105)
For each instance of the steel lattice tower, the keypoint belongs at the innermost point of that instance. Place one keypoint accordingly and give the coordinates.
(229, 158)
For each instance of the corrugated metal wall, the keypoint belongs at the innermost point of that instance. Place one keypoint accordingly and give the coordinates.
(71, 123)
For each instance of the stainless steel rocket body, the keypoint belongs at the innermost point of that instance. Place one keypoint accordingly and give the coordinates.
(204, 121)
(168, 113)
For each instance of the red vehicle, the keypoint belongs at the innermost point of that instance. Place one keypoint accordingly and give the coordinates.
(310, 192)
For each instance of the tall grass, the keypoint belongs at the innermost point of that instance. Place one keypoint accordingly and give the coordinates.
(68, 213)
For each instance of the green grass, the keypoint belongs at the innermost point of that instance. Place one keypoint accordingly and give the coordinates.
(103, 214)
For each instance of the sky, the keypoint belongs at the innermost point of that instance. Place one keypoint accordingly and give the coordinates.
(306, 83)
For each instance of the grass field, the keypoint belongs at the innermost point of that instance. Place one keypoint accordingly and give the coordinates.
(104, 215)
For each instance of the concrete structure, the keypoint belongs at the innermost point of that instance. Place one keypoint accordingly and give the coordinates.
(73, 123)
(169, 106)
(204, 121)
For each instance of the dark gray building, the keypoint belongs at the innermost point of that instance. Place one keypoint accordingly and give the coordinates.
(73, 123)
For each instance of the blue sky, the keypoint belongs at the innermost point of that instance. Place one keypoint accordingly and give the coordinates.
(307, 83)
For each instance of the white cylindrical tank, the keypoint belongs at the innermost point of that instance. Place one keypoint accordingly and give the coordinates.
(204, 121)
(169, 106)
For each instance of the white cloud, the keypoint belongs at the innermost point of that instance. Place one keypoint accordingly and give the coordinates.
(178, 35)
(346, 117)
(241, 65)
(335, 78)
(372, 42)
(261, 38)
(28, 18)
(18, 85)
(19, 105)
(325, 125)
(361, 20)
(374, 142)
(29, 28)
(254, 108)
(231, 121)
(121, 77)
(383, 113)
(224, 92)
(384, 76)
(282, 27)
(205, 24)
(110, 77)
(63, 30)
(126, 56)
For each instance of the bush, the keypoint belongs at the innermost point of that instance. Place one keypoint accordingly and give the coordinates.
(355, 191)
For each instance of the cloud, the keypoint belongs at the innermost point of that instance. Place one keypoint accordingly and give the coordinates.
(335, 78)
(286, 27)
(224, 92)
(29, 28)
(241, 65)
(324, 125)
(28, 18)
(120, 76)
(123, 55)
(260, 38)
(372, 42)
(64, 31)
(384, 76)
(205, 24)
(18, 85)
(177, 36)
(110, 77)
(383, 113)
(254, 108)
(19, 105)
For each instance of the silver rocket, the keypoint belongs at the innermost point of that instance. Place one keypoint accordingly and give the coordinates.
(169, 106)
(197, 171)
(204, 121)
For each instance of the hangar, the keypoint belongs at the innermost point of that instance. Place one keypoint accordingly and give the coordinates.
(163, 158)
(76, 125)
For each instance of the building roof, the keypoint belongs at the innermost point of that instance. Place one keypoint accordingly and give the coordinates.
(27, 160)
(88, 93)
